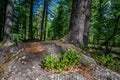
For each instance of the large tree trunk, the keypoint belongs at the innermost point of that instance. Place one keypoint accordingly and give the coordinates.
(87, 20)
(78, 34)
(8, 21)
(30, 21)
(77, 23)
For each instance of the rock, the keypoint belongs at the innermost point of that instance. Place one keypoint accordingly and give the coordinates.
(32, 71)
(103, 73)
(26, 66)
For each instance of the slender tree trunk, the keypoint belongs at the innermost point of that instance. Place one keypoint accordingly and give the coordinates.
(2, 17)
(24, 23)
(25, 32)
(24, 27)
(8, 21)
(0, 32)
(5, 7)
(42, 23)
(30, 21)
(87, 20)
(46, 17)
(1, 9)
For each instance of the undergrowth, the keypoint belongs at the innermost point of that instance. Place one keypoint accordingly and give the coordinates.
(64, 61)
(106, 60)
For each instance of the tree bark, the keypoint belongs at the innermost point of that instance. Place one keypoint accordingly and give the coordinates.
(77, 24)
(42, 23)
(3, 5)
(30, 21)
(24, 24)
(8, 21)
(87, 20)
(46, 18)
(1, 22)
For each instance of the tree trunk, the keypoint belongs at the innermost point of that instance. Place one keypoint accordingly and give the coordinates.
(3, 5)
(87, 20)
(77, 23)
(8, 21)
(1, 18)
(46, 17)
(24, 27)
(42, 23)
(30, 21)
(0, 32)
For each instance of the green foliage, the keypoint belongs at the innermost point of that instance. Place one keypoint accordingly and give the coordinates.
(105, 59)
(71, 58)
(17, 38)
(49, 62)
(104, 23)
(89, 63)
(66, 61)
(60, 19)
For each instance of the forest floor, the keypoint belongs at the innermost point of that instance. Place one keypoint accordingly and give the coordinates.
(33, 51)
(35, 48)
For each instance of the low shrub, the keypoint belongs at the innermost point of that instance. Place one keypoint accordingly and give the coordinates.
(64, 61)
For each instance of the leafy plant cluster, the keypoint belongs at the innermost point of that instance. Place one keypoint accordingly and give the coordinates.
(64, 61)
(17, 38)
(106, 60)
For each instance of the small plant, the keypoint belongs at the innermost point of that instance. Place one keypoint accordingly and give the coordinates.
(59, 66)
(66, 61)
(72, 57)
(89, 63)
(49, 62)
